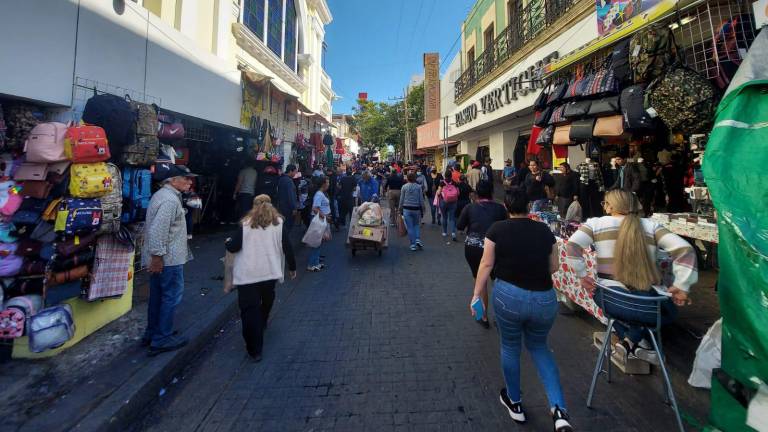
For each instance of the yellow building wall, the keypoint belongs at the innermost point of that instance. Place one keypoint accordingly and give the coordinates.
(88, 317)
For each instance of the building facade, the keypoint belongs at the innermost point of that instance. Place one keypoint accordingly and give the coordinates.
(492, 83)
(187, 57)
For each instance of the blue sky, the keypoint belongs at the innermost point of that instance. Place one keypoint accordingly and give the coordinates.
(366, 53)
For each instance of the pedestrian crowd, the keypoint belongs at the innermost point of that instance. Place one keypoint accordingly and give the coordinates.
(504, 248)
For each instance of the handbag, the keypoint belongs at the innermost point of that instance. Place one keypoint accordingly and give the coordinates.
(558, 116)
(545, 137)
(402, 229)
(43, 232)
(28, 247)
(562, 135)
(556, 95)
(31, 171)
(53, 279)
(75, 244)
(612, 126)
(541, 118)
(51, 328)
(576, 109)
(62, 263)
(581, 130)
(36, 189)
(541, 100)
(605, 106)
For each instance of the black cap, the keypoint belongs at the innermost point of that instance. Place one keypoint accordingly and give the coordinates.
(166, 170)
(290, 167)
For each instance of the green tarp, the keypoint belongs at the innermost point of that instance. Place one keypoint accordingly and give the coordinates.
(736, 171)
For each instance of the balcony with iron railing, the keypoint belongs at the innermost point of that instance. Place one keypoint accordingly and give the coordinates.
(526, 22)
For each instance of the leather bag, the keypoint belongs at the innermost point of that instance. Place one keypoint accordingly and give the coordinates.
(562, 135)
(31, 171)
(581, 130)
(576, 109)
(609, 127)
(557, 93)
(75, 244)
(63, 263)
(605, 107)
(545, 137)
(541, 118)
(46, 143)
(36, 189)
(58, 278)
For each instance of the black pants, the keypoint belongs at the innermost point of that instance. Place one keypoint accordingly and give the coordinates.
(589, 198)
(255, 301)
(345, 209)
(244, 204)
(473, 255)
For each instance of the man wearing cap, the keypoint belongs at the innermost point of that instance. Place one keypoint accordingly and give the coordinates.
(287, 197)
(164, 253)
(474, 175)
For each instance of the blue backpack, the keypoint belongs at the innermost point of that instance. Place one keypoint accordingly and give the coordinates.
(137, 191)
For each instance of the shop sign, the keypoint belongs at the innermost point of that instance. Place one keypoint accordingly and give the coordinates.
(431, 86)
(761, 12)
(518, 85)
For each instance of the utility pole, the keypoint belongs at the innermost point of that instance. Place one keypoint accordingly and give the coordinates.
(407, 144)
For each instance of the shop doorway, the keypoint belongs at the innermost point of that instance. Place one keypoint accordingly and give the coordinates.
(521, 147)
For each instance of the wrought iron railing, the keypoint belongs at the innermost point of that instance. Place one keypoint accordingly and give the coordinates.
(526, 22)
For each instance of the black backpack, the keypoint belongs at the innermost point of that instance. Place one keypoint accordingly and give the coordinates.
(620, 62)
(115, 115)
(269, 186)
(632, 101)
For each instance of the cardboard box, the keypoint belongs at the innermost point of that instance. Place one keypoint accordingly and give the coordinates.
(375, 234)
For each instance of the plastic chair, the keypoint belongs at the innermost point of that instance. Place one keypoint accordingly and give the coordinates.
(611, 301)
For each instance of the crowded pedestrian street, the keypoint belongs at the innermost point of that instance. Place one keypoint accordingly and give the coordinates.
(388, 344)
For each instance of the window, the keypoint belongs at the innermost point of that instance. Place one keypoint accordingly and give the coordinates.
(253, 17)
(488, 37)
(470, 56)
(275, 24)
(289, 57)
(323, 55)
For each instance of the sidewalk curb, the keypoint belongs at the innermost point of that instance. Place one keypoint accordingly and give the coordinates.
(118, 411)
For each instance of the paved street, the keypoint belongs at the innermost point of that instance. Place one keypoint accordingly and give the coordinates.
(387, 343)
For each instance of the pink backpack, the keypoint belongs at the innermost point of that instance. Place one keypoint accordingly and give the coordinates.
(450, 193)
(46, 143)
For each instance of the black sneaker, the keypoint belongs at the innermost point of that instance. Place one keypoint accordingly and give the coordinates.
(515, 409)
(145, 341)
(177, 344)
(561, 420)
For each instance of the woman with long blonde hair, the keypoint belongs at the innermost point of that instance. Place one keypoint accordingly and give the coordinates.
(260, 249)
(626, 247)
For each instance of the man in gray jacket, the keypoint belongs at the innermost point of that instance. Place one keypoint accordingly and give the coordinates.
(165, 252)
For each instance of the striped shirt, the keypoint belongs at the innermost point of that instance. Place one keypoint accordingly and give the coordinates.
(603, 232)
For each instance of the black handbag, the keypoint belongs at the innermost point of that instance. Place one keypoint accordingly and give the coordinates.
(541, 101)
(557, 93)
(545, 137)
(581, 130)
(541, 118)
(577, 109)
(605, 107)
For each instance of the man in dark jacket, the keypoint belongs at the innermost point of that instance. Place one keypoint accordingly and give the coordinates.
(534, 185)
(346, 199)
(566, 188)
(287, 198)
(627, 174)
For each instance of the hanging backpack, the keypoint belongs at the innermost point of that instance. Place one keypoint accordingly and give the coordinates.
(86, 144)
(78, 216)
(169, 129)
(684, 100)
(46, 143)
(51, 328)
(620, 62)
(651, 52)
(143, 152)
(450, 193)
(146, 118)
(137, 191)
(90, 180)
(112, 203)
(632, 102)
(115, 115)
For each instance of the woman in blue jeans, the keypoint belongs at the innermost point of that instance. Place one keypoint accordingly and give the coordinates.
(411, 204)
(523, 255)
(321, 207)
(448, 209)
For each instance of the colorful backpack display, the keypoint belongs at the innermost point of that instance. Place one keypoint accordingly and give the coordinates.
(86, 144)
(137, 191)
(90, 180)
(12, 323)
(78, 216)
(51, 328)
(46, 143)
(112, 203)
(115, 115)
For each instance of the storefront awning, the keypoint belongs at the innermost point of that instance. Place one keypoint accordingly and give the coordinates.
(261, 80)
(659, 12)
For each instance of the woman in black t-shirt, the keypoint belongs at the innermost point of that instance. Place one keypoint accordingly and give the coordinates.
(523, 255)
(476, 218)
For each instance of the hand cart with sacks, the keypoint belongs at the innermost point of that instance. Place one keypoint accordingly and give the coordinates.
(368, 233)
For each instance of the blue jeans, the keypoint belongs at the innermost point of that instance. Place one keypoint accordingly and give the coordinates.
(314, 256)
(531, 313)
(635, 333)
(449, 216)
(165, 292)
(413, 223)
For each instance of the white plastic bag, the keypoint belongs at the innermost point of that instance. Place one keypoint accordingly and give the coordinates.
(707, 357)
(574, 212)
(314, 235)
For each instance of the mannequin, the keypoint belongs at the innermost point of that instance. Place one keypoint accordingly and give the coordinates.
(591, 188)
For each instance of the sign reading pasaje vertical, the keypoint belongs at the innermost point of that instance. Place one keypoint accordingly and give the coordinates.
(431, 87)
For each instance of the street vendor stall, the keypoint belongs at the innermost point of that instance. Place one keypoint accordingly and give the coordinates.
(368, 229)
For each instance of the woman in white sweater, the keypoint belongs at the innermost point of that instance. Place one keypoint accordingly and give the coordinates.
(260, 249)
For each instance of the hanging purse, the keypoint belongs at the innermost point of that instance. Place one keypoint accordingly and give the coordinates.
(557, 93)
(558, 116)
(607, 127)
(581, 130)
(562, 135)
(545, 137)
(541, 101)
(576, 109)
(541, 118)
(605, 106)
